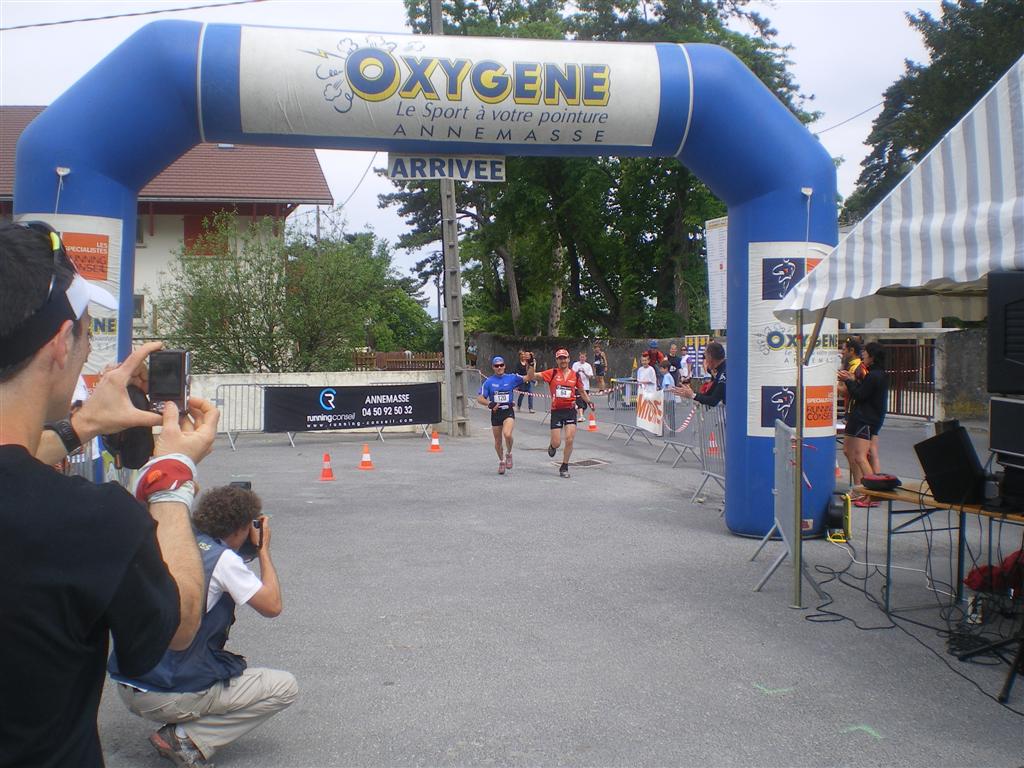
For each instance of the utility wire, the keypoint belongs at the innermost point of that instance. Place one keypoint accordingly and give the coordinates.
(128, 15)
(361, 179)
(844, 122)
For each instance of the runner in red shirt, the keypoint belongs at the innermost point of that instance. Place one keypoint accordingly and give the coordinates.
(565, 386)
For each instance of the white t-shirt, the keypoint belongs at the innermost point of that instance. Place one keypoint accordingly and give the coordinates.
(684, 368)
(647, 379)
(584, 371)
(231, 575)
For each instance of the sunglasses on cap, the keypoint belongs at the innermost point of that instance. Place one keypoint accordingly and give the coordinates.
(62, 302)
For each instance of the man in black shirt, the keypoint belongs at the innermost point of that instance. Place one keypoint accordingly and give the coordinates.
(712, 392)
(79, 562)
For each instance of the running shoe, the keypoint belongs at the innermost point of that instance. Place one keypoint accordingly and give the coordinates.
(551, 450)
(508, 461)
(181, 752)
(563, 472)
(501, 467)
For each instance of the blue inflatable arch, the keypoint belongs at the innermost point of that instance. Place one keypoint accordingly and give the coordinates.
(174, 84)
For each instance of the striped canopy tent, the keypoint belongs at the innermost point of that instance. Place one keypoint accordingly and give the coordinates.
(924, 252)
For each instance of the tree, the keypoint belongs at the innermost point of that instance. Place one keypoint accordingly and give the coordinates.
(270, 303)
(971, 45)
(595, 246)
(223, 297)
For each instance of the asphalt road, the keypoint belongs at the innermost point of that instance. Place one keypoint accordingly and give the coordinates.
(437, 614)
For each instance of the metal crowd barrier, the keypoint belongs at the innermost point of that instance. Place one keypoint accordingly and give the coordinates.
(679, 430)
(81, 464)
(241, 409)
(785, 506)
(622, 404)
(711, 439)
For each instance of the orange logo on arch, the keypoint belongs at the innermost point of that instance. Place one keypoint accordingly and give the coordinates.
(89, 252)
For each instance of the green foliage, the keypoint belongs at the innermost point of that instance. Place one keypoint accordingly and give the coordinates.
(271, 304)
(622, 237)
(971, 45)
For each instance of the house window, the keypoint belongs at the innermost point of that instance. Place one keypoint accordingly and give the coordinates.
(138, 305)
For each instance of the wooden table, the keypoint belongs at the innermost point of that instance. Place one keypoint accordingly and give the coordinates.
(922, 506)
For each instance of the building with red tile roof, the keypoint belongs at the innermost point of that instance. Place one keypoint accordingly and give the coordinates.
(254, 182)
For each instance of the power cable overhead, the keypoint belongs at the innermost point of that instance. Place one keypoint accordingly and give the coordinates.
(128, 15)
(844, 122)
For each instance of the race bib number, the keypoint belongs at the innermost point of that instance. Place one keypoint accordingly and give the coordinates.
(502, 397)
(563, 393)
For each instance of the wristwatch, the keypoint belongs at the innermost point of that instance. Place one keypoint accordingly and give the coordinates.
(66, 433)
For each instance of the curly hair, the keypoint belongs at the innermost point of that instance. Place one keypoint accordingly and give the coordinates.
(222, 511)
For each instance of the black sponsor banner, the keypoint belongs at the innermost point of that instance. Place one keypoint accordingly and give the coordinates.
(307, 409)
(778, 403)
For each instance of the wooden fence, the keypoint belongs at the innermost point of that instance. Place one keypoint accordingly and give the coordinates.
(397, 361)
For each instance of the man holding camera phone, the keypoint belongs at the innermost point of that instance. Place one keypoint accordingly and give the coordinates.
(206, 697)
(78, 561)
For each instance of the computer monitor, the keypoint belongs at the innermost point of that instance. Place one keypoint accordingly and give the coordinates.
(1006, 431)
(951, 467)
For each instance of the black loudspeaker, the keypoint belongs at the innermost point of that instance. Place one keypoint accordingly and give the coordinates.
(951, 467)
(1006, 333)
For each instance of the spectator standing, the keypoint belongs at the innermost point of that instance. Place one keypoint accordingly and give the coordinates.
(600, 367)
(870, 397)
(655, 354)
(80, 562)
(206, 697)
(674, 362)
(667, 380)
(712, 392)
(585, 371)
(646, 376)
(526, 359)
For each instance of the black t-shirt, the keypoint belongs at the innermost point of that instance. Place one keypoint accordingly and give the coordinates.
(77, 561)
(674, 361)
(715, 393)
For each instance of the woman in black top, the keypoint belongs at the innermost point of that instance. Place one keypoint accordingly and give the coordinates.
(870, 399)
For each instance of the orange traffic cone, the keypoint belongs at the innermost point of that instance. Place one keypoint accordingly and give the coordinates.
(591, 422)
(435, 443)
(326, 473)
(839, 472)
(712, 445)
(366, 462)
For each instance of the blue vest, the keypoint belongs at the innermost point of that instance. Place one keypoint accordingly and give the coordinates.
(205, 662)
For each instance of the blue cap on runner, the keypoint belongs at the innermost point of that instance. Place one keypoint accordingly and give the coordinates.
(497, 360)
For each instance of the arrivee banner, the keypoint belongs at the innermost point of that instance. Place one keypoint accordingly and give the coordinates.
(310, 409)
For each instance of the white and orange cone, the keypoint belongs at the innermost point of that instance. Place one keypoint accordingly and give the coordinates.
(326, 473)
(435, 443)
(591, 422)
(712, 445)
(366, 462)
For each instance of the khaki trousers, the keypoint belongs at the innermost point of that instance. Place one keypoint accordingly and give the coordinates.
(219, 715)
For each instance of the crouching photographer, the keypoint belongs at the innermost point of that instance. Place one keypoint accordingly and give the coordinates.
(206, 697)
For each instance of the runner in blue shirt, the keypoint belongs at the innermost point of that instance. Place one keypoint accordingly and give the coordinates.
(496, 393)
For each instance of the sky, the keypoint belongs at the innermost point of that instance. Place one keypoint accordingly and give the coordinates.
(845, 53)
